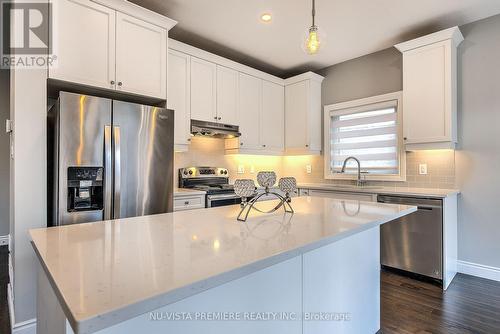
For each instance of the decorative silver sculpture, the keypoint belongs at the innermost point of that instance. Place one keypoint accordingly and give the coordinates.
(246, 188)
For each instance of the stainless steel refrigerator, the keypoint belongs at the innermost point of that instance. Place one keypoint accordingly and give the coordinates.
(108, 159)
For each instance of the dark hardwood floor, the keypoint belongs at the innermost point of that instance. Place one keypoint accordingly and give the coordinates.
(4, 280)
(470, 305)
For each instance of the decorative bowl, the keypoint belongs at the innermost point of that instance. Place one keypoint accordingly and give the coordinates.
(266, 179)
(244, 187)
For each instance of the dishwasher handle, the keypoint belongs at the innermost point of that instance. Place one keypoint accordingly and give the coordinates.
(421, 203)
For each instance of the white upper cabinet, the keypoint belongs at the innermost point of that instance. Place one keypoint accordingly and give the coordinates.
(203, 90)
(430, 90)
(249, 111)
(303, 114)
(141, 57)
(227, 95)
(98, 45)
(272, 117)
(178, 97)
(85, 43)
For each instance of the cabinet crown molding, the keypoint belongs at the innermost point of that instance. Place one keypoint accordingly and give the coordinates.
(138, 12)
(453, 34)
(304, 76)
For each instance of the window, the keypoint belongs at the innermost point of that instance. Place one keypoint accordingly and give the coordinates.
(370, 130)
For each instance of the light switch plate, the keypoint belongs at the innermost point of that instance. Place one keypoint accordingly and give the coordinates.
(308, 169)
(241, 169)
(422, 169)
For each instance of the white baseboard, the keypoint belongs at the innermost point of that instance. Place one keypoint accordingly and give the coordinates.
(479, 270)
(25, 327)
(4, 240)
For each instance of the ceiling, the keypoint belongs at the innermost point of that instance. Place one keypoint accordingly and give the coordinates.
(232, 28)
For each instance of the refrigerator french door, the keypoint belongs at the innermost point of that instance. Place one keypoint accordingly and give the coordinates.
(110, 159)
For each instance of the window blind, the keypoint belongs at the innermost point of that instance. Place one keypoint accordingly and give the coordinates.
(369, 133)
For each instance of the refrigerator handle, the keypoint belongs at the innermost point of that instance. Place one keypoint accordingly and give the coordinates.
(107, 173)
(117, 165)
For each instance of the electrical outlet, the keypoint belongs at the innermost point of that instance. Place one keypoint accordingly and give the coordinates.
(308, 169)
(241, 169)
(252, 170)
(422, 169)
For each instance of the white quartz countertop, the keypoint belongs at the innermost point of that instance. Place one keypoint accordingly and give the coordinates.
(104, 273)
(187, 191)
(403, 191)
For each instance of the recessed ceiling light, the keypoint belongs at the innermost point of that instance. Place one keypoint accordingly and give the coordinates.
(266, 17)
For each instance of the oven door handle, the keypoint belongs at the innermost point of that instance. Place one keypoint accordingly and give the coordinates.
(216, 197)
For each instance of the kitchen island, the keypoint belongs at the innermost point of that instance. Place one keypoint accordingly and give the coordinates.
(314, 271)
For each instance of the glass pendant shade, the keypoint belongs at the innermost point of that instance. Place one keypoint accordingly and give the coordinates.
(314, 38)
(313, 41)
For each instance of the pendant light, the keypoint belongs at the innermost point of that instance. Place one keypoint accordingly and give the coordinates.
(314, 38)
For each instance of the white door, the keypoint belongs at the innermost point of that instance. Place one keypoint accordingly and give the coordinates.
(426, 115)
(296, 120)
(249, 110)
(273, 116)
(178, 97)
(203, 90)
(84, 43)
(227, 95)
(141, 57)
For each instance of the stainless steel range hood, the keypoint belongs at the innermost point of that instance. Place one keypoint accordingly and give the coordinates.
(214, 130)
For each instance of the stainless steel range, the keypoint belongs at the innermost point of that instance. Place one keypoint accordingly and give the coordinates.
(213, 180)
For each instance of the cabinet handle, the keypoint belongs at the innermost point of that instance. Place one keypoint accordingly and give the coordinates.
(219, 118)
(405, 138)
(119, 83)
(264, 145)
(112, 82)
(186, 203)
(241, 144)
(307, 145)
(215, 117)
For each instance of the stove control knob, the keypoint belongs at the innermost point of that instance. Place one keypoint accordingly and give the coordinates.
(221, 171)
(190, 172)
(185, 172)
(225, 172)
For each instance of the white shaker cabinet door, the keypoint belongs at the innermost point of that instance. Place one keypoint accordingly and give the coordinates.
(426, 111)
(178, 97)
(297, 116)
(203, 90)
(249, 111)
(273, 117)
(141, 57)
(84, 43)
(227, 95)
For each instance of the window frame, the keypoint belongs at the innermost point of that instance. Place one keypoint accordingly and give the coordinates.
(341, 108)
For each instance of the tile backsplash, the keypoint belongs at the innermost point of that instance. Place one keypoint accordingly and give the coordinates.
(210, 152)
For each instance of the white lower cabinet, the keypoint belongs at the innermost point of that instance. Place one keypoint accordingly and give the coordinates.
(188, 202)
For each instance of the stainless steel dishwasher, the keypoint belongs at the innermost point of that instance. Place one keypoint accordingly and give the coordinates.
(414, 243)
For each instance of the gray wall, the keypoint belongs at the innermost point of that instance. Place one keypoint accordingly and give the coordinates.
(374, 74)
(4, 153)
(478, 159)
